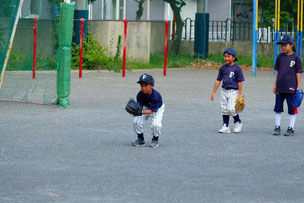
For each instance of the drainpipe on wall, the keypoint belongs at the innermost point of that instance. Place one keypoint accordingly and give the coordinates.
(125, 10)
(148, 9)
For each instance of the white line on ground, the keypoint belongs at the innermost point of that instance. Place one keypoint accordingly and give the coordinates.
(4, 156)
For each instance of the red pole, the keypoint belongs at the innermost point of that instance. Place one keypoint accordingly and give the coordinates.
(166, 48)
(81, 47)
(125, 48)
(35, 47)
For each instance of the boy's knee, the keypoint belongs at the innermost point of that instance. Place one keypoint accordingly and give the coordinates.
(136, 121)
(225, 112)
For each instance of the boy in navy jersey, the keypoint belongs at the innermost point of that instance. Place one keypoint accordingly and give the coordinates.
(232, 76)
(288, 79)
(153, 107)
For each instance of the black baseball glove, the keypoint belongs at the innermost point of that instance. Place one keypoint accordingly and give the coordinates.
(134, 108)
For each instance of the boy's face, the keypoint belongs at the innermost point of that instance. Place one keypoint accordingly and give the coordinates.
(286, 48)
(146, 88)
(229, 59)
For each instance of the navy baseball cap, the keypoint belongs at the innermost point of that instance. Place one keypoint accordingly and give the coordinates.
(146, 78)
(286, 39)
(231, 51)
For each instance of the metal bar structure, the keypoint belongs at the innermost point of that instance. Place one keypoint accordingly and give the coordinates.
(81, 47)
(254, 38)
(166, 47)
(185, 28)
(191, 26)
(229, 30)
(125, 48)
(212, 31)
(35, 48)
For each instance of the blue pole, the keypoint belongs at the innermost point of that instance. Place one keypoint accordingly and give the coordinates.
(275, 47)
(297, 45)
(254, 40)
(278, 46)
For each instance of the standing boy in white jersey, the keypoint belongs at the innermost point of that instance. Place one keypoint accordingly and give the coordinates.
(153, 107)
(232, 76)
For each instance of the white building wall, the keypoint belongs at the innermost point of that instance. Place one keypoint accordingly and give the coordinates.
(157, 10)
(219, 10)
(189, 10)
(131, 9)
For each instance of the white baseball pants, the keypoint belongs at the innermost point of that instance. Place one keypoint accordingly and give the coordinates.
(156, 125)
(228, 101)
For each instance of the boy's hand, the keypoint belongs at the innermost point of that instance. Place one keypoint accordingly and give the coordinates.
(274, 89)
(212, 96)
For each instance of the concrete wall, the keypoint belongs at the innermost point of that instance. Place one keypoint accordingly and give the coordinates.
(106, 33)
(139, 36)
(23, 41)
(143, 38)
(158, 31)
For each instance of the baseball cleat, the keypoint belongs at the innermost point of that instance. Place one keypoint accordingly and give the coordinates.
(224, 129)
(238, 127)
(154, 144)
(277, 130)
(138, 143)
(289, 132)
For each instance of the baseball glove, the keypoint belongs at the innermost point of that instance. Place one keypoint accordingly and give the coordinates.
(240, 104)
(134, 108)
(297, 99)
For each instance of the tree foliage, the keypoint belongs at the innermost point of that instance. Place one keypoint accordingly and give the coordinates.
(288, 11)
(176, 6)
(140, 10)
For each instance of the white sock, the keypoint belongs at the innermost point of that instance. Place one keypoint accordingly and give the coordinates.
(278, 117)
(292, 121)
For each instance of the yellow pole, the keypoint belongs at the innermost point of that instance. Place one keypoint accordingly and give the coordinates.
(275, 15)
(301, 26)
(279, 13)
(257, 15)
(298, 16)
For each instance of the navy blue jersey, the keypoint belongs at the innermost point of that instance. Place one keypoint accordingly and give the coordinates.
(230, 75)
(153, 101)
(287, 66)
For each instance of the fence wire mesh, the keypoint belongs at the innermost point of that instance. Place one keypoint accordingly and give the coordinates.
(18, 83)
